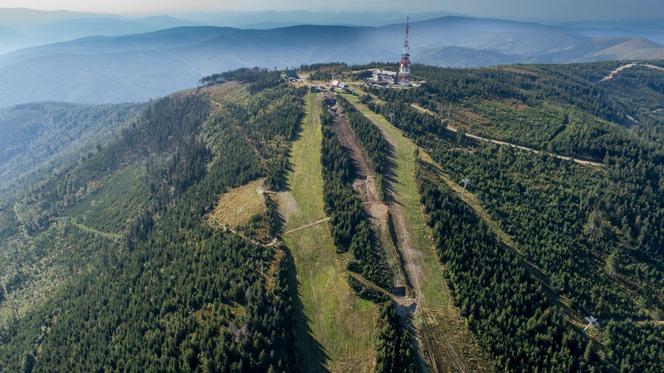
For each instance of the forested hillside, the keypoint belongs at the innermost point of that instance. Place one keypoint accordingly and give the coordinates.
(502, 302)
(351, 229)
(204, 299)
(591, 234)
(36, 138)
(255, 224)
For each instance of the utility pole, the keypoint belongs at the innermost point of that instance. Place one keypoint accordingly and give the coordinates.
(591, 322)
(465, 183)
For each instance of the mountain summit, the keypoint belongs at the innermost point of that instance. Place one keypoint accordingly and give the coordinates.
(139, 67)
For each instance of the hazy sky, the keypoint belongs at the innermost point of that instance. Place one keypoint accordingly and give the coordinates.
(533, 9)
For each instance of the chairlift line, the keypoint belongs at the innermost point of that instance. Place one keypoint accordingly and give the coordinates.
(465, 183)
(592, 321)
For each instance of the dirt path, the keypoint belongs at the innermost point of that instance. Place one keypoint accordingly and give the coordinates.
(366, 181)
(369, 284)
(348, 139)
(366, 187)
(428, 324)
(654, 67)
(307, 226)
(619, 69)
(377, 209)
(228, 229)
(269, 245)
(23, 227)
(445, 342)
(116, 237)
(583, 162)
(412, 256)
(563, 157)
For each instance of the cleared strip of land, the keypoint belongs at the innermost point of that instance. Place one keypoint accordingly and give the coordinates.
(446, 343)
(620, 68)
(474, 203)
(115, 237)
(583, 162)
(338, 329)
(367, 189)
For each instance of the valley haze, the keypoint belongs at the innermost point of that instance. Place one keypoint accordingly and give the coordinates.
(141, 66)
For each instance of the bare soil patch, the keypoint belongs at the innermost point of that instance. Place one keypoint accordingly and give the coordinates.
(365, 184)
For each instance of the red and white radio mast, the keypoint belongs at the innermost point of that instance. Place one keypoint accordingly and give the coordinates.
(404, 68)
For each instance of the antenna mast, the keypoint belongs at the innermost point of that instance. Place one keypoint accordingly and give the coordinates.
(404, 67)
(406, 47)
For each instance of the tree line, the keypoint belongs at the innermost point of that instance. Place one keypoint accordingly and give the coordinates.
(258, 79)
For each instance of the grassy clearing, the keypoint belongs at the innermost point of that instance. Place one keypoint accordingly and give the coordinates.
(446, 341)
(434, 291)
(228, 92)
(236, 207)
(340, 322)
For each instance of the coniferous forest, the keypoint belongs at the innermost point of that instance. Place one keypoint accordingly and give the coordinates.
(540, 191)
(177, 295)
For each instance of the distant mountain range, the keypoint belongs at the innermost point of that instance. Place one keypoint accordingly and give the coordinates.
(647, 29)
(22, 28)
(142, 66)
